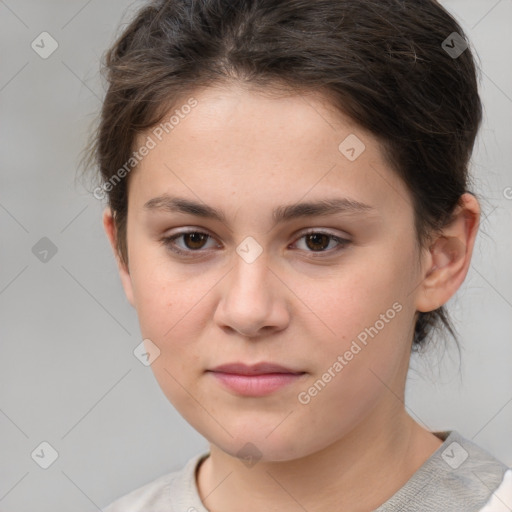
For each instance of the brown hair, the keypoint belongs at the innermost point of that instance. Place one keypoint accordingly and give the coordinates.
(383, 63)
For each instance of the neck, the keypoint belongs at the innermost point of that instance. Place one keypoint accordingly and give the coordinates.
(358, 472)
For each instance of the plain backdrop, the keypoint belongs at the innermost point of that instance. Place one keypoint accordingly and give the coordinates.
(68, 375)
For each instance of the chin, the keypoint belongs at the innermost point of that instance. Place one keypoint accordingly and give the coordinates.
(254, 445)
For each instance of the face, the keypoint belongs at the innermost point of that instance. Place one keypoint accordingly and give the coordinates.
(327, 294)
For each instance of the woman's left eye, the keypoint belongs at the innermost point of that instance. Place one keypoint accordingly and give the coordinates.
(194, 241)
(314, 239)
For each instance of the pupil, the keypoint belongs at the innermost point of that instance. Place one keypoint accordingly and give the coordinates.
(198, 239)
(316, 237)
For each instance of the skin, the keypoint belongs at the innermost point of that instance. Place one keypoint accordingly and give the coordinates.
(244, 152)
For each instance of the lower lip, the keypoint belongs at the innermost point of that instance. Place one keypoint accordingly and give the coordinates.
(256, 385)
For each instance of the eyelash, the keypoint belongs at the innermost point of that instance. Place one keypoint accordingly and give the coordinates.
(168, 242)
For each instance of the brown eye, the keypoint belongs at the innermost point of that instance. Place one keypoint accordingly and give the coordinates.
(194, 239)
(317, 241)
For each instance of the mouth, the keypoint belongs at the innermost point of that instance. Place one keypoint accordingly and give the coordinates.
(263, 368)
(255, 380)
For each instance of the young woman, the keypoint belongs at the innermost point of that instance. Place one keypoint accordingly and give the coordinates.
(288, 204)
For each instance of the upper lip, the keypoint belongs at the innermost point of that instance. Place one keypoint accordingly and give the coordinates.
(255, 369)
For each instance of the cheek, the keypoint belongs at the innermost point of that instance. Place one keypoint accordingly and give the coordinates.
(172, 313)
(356, 371)
(362, 315)
(169, 311)
(352, 298)
(165, 297)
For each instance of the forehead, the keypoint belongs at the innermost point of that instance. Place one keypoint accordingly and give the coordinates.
(246, 119)
(236, 143)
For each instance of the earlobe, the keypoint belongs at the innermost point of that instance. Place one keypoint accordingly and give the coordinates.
(124, 273)
(449, 257)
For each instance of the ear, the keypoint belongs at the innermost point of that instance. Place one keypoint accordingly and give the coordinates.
(449, 256)
(124, 273)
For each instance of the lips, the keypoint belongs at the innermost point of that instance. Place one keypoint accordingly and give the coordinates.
(255, 380)
(263, 368)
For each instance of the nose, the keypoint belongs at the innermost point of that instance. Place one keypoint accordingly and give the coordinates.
(254, 299)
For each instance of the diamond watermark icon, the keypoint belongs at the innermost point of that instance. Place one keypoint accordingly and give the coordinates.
(44, 45)
(146, 352)
(249, 454)
(351, 147)
(249, 249)
(454, 455)
(454, 45)
(44, 455)
(44, 250)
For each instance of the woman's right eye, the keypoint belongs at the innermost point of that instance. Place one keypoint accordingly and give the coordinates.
(194, 241)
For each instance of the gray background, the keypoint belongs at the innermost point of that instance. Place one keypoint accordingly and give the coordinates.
(67, 371)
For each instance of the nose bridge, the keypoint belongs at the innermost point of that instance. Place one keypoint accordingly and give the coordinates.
(250, 275)
(249, 301)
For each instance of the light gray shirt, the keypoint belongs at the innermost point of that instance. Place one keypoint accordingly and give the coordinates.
(458, 477)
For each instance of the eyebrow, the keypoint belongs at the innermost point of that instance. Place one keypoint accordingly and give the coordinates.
(280, 214)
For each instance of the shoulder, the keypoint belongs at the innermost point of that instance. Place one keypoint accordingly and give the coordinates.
(160, 494)
(501, 499)
(468, 477)
(460, 475)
